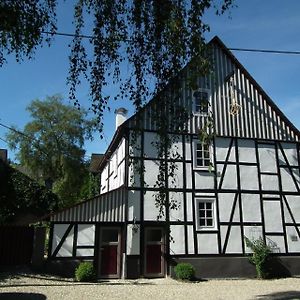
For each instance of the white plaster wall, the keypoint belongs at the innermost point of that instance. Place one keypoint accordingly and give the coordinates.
(290, 151)
(67, 247)
(178, 244)
(207, 243)
(177, 180)
(293, 246)
(151, 172)
(230, 178)
(188, 168)
(134, 176)
(246, 150)
(225, 206)
(204, 180)
(272, 215)
(251, 208)
(248, 177)
(191, 248)
(287, 180)
(134, 145)
(189, 206)
(234, 244)
(188, 148)
(176, 151)
(222, 146)
(85, 252)
(150, 140)
(276, 243)
(267, 158)
(134, 203)
(133, 241)
(252, 233)
(177, 214)
(294, 204)
(104, 181)
(150, 210)
(86, 235)
(270, 182)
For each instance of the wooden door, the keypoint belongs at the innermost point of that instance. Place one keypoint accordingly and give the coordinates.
(154, 252)
(110, 252)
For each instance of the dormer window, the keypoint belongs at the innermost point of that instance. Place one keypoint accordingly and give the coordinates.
(201, 99)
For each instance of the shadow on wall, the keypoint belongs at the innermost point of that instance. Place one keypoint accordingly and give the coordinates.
(277, 269)
(22, 296)
(288, 295)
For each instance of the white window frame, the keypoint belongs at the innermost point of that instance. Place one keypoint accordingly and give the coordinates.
(196, 167)
(199, 113)
(214, 213)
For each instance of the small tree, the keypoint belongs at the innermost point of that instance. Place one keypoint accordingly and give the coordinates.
(260, 256)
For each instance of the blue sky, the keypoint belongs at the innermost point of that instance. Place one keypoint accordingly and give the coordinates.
(267, 24)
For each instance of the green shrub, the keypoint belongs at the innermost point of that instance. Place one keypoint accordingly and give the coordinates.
(85, 272)
(260, 256)
(184, 271)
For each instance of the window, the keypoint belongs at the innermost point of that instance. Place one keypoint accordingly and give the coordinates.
(206, 215)
(201, 101)
(202, 155)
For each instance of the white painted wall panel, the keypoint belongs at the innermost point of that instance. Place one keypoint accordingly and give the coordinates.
(176, 214)
(178, 244)
(67, 247)
(235, 241)
(204, 180)
(150, 210)
(150, 141)
(290, 151)
(176, 181)
(191, 248)
(135, 145)
(188, 148)
(176, 147)
(276, 243)
(151, 172)
(287, 180)
(222, 147)
(133, 241)
(86, 235)
(189, 175)
(189, 206)
(246, 150)
(207, 243)
(292, 239)
(272, 214)
(294, 204)
(134, 202)
(252, 233)
(134, 175)
(230, 178)
(251, 208)
(225, 206)
(267, 158)
(85, 252)
(269, 182)
(249, 177)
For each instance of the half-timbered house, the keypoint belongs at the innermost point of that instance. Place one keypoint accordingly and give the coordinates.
(245, 182)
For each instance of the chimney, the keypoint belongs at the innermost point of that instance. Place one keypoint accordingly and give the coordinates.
(121, 116)
(3, 155)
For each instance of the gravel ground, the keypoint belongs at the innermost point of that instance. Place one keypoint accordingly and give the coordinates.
(40, 287)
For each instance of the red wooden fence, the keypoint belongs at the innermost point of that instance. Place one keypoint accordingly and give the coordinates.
(16, 245)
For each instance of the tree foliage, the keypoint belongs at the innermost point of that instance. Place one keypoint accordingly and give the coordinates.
(20, 195)
(51, 146)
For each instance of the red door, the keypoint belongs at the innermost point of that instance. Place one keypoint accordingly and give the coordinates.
(154, 252)
(109, 258)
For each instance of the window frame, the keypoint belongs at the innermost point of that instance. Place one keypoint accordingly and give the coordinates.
(214, 214)
(199, 113)
(210, 150)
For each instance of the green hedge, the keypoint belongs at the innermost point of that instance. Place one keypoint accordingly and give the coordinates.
(184, 271)
(85, 272)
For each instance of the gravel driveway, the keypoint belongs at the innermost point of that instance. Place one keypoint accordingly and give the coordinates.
(39, 287)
